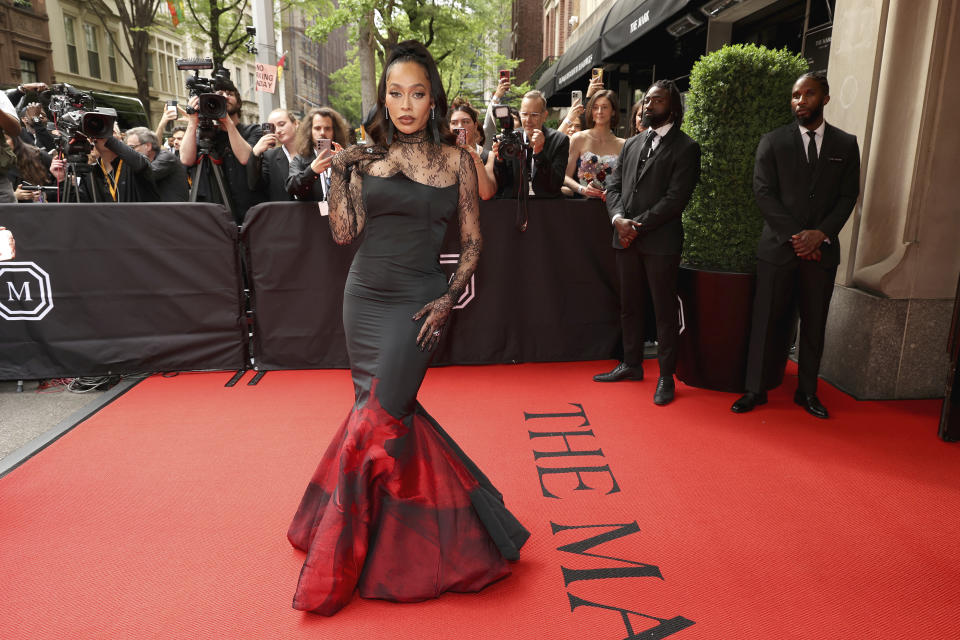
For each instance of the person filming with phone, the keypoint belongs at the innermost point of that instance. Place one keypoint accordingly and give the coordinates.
(465, 124)
(544, 158)
(269, 167)
(322, 135)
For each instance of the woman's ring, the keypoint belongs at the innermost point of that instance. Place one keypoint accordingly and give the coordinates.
(437, 332)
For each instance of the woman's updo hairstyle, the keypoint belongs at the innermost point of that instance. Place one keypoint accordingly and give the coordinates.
(412, 51)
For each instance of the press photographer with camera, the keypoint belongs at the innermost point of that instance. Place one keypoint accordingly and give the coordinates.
(120, 174)
(322, 135)
(536, 154)
(269, 167)
(169, 174)
(217, 143)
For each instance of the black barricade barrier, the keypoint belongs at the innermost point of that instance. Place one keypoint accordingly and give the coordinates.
(547, 294)
(296, 274)
(120, 288)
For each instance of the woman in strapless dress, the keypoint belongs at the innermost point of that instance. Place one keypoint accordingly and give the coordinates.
(594, 152)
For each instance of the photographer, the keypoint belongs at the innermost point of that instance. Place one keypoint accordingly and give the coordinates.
(120, 174)
(231, 145)
(169, 175)
(269, 167)
(542, 155)
(31, 172)
(322, 134)
(34, 130)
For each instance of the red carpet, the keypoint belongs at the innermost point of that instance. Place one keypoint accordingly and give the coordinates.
(164, 515)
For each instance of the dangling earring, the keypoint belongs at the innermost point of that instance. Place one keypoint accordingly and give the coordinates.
(386, 114)
(433, 126)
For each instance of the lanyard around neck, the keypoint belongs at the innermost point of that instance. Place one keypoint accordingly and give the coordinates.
(112, 181)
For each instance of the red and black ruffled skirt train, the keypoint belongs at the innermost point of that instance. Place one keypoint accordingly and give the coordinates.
(396, 510)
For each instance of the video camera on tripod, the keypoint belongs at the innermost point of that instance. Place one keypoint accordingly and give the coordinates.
(212, 106)
(79, 120)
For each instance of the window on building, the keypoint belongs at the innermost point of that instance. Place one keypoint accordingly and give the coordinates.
(112, 57)
(28, 71)
(150, 79)
(71, 37)
(91, 34)
(252, 83)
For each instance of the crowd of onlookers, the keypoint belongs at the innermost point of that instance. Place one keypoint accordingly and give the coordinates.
(289, 157)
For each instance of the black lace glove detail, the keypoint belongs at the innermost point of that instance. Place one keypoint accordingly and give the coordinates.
(437, 313)
(347, 216)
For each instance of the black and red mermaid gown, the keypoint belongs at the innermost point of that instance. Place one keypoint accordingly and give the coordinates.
(396, 510)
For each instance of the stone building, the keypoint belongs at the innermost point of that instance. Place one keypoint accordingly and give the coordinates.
(306, 77)
(24, 42)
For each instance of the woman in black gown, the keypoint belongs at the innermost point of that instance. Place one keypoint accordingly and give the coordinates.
(396, 510)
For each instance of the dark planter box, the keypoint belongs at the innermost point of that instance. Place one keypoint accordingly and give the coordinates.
(715, 329)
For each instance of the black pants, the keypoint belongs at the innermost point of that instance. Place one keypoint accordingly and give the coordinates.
(803, 285)
(639, 271)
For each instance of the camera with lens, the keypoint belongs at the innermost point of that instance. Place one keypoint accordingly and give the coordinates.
(511, 141)
(78, 119)
(212, 106)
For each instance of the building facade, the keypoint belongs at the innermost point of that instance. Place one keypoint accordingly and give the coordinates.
(24, 42)
(306, 78)
(526, 37)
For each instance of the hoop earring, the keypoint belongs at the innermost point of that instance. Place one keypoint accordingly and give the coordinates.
(433, 126)
(386, 114)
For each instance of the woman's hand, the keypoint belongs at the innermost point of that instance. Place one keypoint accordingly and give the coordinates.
(591, 192)
(23, 195)
(355, 154)
(437, 313)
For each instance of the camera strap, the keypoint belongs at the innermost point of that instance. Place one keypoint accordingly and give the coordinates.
(112, 178)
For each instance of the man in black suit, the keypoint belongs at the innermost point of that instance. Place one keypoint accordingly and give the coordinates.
(546, 160)
(269, 164)
(806, 180)
(646, 195)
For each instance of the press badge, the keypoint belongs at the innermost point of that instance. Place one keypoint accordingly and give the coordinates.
(324, 208)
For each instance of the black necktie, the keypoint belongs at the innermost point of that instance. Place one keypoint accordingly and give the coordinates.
(812, 150)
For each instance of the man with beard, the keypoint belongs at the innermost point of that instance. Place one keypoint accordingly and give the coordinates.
(646, 195)
(230, 147)
(269, 167)
(806, 180)
(309, 177)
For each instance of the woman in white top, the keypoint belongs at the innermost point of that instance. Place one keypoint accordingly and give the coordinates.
(595, 150)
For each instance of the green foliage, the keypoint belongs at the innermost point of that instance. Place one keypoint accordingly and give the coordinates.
(462, 35)
(345, 90)
(736, 95)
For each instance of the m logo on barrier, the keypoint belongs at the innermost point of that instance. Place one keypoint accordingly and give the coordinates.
(25, 292)
(470, 291)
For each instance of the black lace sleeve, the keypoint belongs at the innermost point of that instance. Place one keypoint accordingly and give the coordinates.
(347, 216)
(468, 210)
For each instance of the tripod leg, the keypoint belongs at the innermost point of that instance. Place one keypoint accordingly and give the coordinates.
(194, 188)
(224, 194)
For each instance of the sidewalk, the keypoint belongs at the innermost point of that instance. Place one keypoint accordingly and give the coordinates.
(39, 416)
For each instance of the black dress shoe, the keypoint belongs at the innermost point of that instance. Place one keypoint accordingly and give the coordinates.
(811, 404)
(748, 401)
(622, 371)
(664, 393)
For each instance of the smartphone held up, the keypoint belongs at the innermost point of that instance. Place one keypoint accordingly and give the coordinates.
(323, 145)
(461, 136)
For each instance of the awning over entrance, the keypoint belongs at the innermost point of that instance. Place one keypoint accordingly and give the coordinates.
(548, 80)
(583, 55)
(629, 20)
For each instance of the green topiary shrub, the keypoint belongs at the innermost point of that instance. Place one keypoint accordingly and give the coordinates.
(736, 95)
